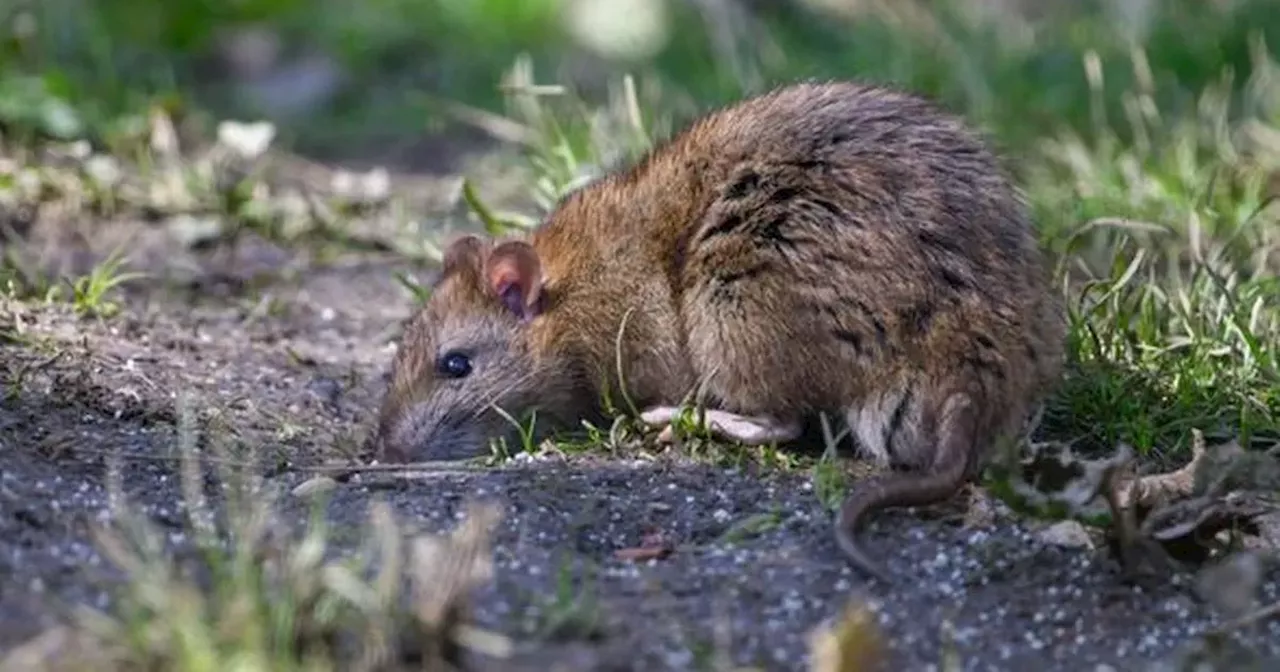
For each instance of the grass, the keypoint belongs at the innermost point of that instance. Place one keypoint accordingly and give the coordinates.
(259, 595)
(1168, 260)
(94, 73)
(89, 295)
(1149, 154)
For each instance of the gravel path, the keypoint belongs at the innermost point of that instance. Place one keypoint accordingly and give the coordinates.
(301, 380)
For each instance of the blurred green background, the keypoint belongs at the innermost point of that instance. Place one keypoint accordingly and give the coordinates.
(348, 74)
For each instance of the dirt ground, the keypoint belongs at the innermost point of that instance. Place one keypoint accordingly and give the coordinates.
(296, 364)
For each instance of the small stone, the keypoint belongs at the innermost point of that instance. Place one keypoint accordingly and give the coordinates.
(1232, 585)
(1067, 534)
(248, 140)
(314, 486)
(325, 389)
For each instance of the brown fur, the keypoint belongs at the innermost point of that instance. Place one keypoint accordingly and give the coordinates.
(825, 247)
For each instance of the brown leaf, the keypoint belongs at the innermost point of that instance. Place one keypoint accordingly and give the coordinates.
(444, 569)
(653, 545)
(1146, 492)
(852, 644)
(1164, 519)
(639, 553)
(1140, 557)
(1205, 517)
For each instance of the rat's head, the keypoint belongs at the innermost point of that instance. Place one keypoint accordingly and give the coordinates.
(469, 349)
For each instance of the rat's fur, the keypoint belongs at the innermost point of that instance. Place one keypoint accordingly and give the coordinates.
(825, 247)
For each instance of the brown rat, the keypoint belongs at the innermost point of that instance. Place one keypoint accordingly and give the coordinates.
(824, 247)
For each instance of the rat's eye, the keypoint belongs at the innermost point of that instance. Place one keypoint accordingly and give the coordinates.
(453, 365)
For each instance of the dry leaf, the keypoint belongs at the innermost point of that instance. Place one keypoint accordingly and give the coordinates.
(164, 138)
(653, 545)
(1146, 492)
(1051, 474)
(446, 569)
(1140, 556)
(1180, 514)
(314, 486)
(852, 644)
(1204, 517)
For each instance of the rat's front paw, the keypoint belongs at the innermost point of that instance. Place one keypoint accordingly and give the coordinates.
(752, 431)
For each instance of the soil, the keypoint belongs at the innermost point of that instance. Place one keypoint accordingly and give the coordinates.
(294, 362)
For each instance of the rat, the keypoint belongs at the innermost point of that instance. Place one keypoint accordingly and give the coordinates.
(827, 247)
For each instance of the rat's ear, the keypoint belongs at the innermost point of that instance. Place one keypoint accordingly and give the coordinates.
(467, 250)
(514, 273)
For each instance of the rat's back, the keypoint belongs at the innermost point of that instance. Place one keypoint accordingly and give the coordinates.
(899, 150)
(812, 244)
(855, 244)
(890, 169)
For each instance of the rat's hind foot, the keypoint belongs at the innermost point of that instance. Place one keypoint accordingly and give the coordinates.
(749, 430)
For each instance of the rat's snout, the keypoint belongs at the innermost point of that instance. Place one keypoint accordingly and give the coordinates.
(386, 451)
(417, 434)
(399, 438)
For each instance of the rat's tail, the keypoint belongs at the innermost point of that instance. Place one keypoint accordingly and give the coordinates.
(945, 476)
